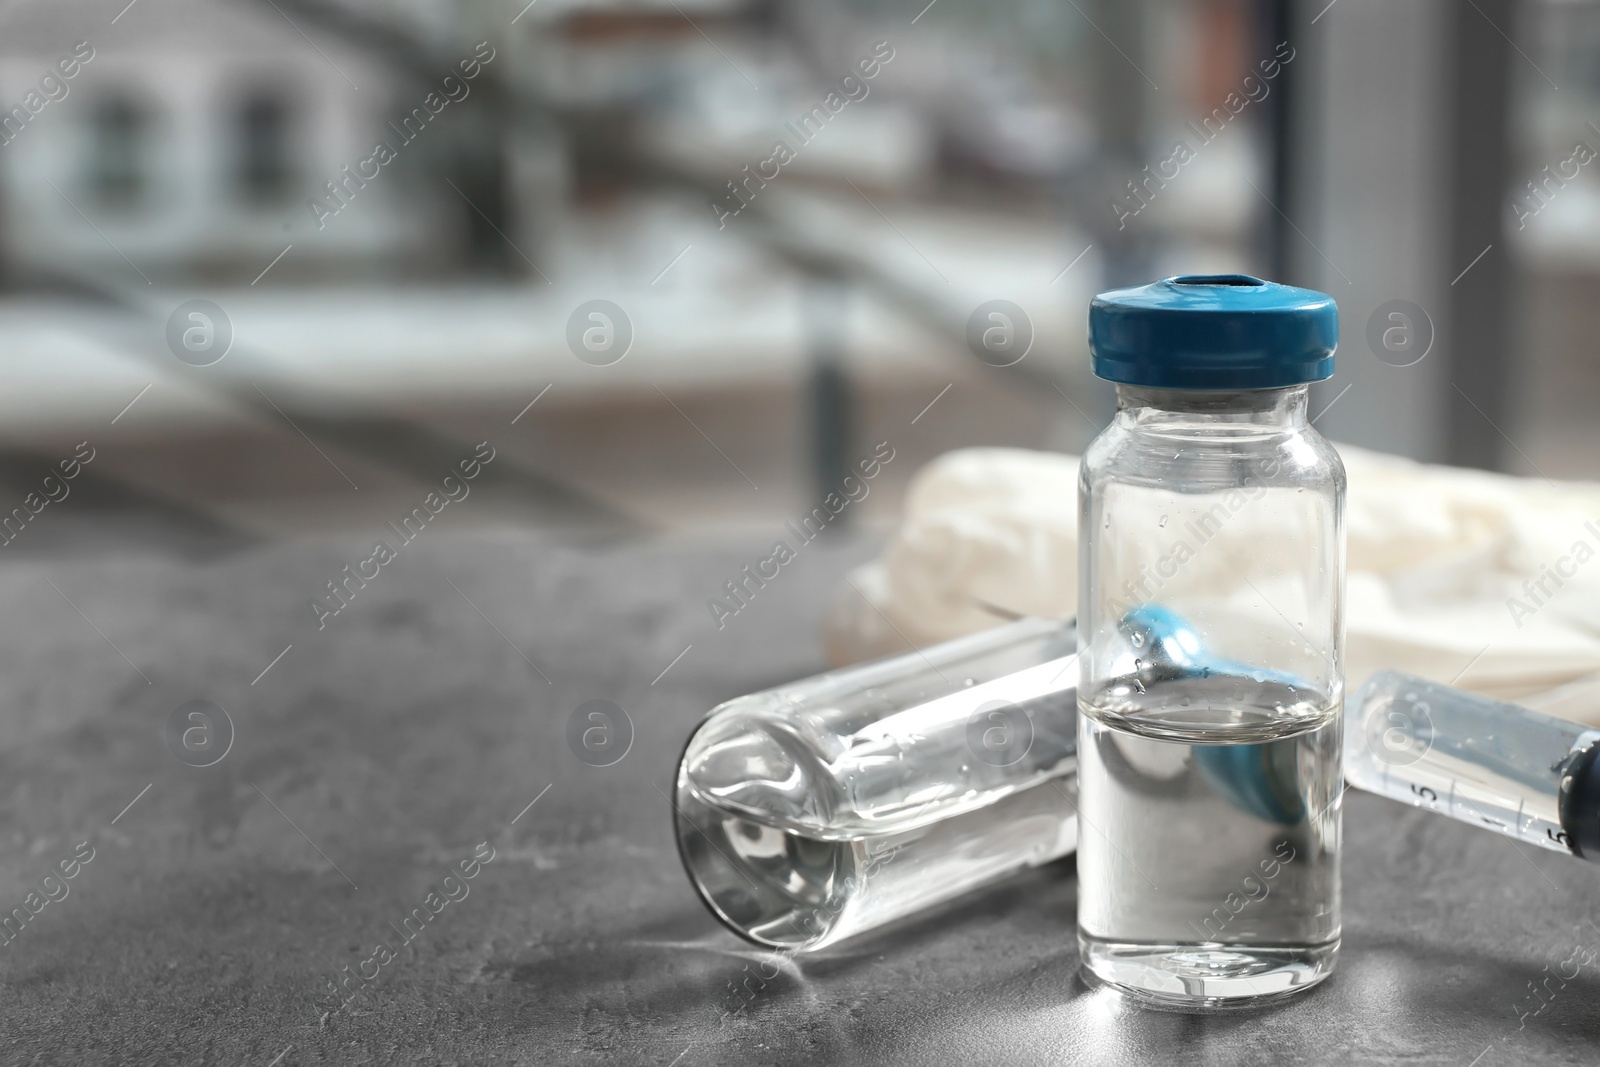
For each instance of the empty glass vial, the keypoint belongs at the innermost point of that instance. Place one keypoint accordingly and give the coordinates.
(819, 810)
(1211, 559)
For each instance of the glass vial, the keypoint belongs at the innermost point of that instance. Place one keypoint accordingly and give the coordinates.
(1211, 558)
(820, 810)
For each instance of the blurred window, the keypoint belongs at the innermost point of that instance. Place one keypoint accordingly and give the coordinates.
(1552, 221)
(118, 171)
(261, 130)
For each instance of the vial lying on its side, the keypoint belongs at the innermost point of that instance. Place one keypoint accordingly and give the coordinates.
(1523, 774)
(825, 808)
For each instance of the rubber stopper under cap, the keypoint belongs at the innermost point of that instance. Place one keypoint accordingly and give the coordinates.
(1213, 331)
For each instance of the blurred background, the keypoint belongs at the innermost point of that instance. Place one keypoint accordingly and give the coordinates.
(281, 262)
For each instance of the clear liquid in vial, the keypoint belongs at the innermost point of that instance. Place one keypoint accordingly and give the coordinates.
(802, 891)
(848, 807)
(1208, 863)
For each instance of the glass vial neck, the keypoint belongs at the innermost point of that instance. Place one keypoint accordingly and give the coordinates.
(1277, 408)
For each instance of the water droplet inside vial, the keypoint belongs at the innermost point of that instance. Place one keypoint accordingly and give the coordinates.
(1138, 640)
(1163, 521)
(1138, 665)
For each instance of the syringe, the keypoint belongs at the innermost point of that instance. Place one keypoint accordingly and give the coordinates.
(1529, 776)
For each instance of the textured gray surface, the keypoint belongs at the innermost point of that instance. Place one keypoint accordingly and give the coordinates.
(408, 731)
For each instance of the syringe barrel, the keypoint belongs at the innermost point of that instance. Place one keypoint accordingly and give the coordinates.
(1528, 776)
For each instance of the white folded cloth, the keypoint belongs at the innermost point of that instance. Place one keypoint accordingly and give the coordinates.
(1484, 581)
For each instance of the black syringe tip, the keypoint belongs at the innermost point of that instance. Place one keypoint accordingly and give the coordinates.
(1580, 804)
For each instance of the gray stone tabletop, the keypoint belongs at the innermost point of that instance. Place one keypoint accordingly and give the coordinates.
(377, 762)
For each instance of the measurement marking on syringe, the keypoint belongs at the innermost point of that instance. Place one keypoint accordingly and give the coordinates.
(1520, 804)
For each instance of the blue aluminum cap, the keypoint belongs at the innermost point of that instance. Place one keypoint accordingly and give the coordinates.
(1213, 331)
